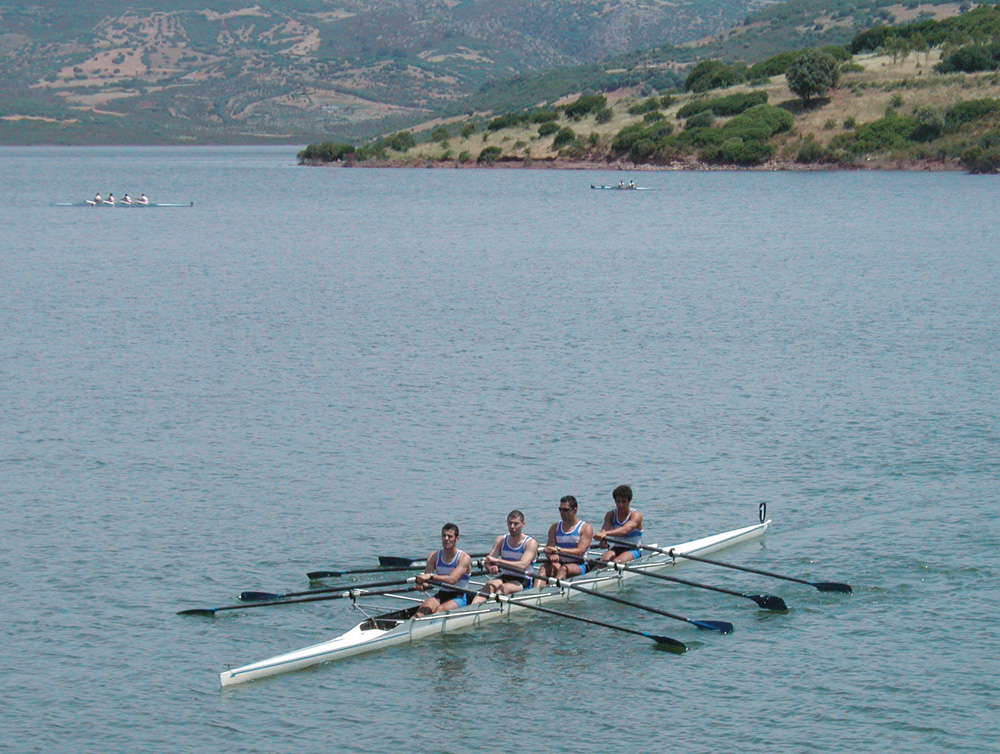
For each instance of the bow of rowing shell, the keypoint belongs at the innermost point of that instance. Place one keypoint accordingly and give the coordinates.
(398, 627)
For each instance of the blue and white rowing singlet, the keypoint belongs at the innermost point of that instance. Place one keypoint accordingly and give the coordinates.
(634, 537)
(514, 553)
(567, 540)
(441, 568)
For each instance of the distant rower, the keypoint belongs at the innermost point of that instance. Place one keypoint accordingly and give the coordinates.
(126, 199)
(143, 199)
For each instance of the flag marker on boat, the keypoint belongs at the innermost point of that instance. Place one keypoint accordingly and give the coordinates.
(823, 586)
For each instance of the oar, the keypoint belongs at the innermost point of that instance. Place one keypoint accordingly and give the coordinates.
(350, 593)
(398, 561)
(409, 566)
(708, 625)
(262, 596)
(823, 586)
(257, 596)
(766, 601)
(662, 642)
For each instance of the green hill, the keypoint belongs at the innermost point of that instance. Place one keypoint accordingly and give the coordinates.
(295, 70)
(924, 93)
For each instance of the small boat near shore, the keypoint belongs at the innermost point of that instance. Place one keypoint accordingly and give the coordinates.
(400, 627)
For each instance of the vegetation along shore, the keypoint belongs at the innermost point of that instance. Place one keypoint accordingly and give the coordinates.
(920, 95)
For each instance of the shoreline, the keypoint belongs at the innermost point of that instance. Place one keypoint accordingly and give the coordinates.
(927, 165)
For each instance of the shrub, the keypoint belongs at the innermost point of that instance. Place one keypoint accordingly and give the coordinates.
(970, 110)
(736, 151)
(731, 104)
(810, 153)
(653, 117)
(548, 127)
(882, 135)
(401, 141)
(563, 137)
(971, 59)
(604, 115)
(701, 120)
(646, 106)
(328, 151)
(585, 105)
(468, 128)
(464, 156)
(489, 155)
(440, 133)
(713, 74)
(979, 160)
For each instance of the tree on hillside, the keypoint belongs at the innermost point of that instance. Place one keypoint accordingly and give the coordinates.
(812, 74)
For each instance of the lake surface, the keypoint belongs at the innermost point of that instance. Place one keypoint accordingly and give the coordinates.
(312, 367)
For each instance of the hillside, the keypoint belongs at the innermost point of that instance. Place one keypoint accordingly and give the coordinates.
(296, 70)
(923, 94)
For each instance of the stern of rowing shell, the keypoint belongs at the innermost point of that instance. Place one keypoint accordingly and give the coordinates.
(388, 621)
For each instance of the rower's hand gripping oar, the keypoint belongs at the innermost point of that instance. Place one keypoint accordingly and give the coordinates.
(766, 601)
(348, 593)
(662, 642)
(708, 625)
(823, 586)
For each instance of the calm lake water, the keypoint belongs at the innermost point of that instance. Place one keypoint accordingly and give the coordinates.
(312, 367)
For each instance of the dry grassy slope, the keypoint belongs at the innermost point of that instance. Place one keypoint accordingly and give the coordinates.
(863, 96)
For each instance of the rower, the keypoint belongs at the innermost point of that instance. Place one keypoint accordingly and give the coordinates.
(126, 199)
(631, 184)
(143, 199)
(110, 200)
(448, 566)
(567, 544)
(511, 558)
(622, 523)
(96, 200)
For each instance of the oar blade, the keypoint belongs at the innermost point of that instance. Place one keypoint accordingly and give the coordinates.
(666, 644)
(208, 612)
(396, 561)
(259, 596)
(832, 586)
(714, 625)
(768, 602)
(317, 575)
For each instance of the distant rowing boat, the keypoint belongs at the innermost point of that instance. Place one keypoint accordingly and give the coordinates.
(621, 188)
(122, 205)
(399, 627)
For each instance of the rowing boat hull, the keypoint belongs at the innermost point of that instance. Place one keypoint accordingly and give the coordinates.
(122, 205)
(621, 188)
(393, 629)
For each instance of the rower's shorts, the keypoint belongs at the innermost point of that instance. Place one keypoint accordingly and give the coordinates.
(636, 554)
(461, 599)
(524, 581)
